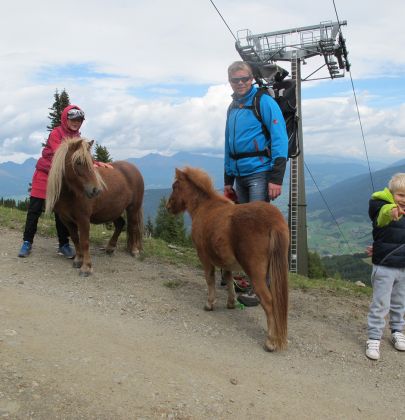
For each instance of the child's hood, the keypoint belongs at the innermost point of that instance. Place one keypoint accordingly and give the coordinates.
(63, 121)
(385, 195)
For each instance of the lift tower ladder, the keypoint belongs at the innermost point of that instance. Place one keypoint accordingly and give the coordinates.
(295, 194)
(295, 45)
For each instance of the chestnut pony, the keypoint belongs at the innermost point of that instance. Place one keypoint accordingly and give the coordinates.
(253, 237)
(82, 194)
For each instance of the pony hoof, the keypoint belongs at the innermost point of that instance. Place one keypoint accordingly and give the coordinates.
(269, 346)
(77, 264)
(84, 273)
(208, 307)
(109, 251)
(231, 305)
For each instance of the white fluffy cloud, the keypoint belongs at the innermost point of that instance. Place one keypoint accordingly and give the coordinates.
(123, 62)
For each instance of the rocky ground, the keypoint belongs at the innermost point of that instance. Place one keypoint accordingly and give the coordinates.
(133, 342)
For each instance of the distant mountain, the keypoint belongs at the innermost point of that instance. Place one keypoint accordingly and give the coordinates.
(15, 177)
(151, 201)
(398, 163)
(329, 170)
(158, 171)
(345, 184)
(350, 197)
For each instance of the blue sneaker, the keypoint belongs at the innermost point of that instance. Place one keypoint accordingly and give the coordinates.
(67, 251)
(25, 249)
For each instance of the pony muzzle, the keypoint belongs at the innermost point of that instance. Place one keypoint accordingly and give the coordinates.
(92, 191)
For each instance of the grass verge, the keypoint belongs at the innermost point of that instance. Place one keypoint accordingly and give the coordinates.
(159, 250)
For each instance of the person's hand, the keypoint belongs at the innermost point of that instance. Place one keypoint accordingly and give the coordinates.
(228, 189)
(369, 250)
(103, 165)
(230, 193)
(274, 190)
(396, 213)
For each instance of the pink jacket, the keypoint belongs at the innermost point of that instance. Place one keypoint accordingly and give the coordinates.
(56, 136)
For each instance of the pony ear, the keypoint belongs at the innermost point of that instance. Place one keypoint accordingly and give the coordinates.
(91, 142)
(179, 174)
(75, 144)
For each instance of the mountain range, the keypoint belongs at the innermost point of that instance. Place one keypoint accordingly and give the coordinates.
(337, 217)
(351, 196)
(158, 171)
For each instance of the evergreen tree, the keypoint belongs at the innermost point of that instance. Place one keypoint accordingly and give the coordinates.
(54, 115)
(61, 101)
(349, 267)
(64, 100)
(101, 154)
(316, 270)
(168, 227)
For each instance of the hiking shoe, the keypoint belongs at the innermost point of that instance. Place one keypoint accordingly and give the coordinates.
(67, 251)
(248, 299)
(398, 340)
(373, 349)
(25, 249)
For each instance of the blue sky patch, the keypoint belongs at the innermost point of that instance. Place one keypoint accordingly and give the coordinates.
(80, 72)
(169, 90)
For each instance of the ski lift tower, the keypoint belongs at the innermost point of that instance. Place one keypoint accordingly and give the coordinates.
(296, 45)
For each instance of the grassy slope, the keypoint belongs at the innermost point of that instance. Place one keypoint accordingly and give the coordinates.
(161, 251)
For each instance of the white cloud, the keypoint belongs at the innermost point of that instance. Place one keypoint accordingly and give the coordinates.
(137, 44)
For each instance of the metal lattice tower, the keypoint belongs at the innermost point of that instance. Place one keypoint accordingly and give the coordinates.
(295, 45)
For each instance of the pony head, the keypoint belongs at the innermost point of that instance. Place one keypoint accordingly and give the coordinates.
(176, 204)
(189, 187)
(72, 166)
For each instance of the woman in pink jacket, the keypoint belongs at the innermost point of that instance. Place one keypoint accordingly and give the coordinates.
(71, 120)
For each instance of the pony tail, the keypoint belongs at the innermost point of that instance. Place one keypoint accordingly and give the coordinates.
(278, 270)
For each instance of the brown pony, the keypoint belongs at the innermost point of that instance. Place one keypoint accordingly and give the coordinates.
(253, 237)
(82, 194)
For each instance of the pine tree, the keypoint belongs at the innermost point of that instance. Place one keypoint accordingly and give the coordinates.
(316, 269)
(101, 154)
(64, 100)
(168, 227)
(61, 101)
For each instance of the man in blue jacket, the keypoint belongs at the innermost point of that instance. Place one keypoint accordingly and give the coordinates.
(255, 161)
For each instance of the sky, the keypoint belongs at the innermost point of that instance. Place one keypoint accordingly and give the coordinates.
(151, 76)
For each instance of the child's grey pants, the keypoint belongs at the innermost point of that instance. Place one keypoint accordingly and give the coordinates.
(388, 296)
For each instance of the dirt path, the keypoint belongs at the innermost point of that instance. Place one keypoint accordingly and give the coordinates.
(122, 345)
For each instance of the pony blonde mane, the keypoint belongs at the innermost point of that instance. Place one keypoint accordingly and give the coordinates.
(202, 181)
(57, 171)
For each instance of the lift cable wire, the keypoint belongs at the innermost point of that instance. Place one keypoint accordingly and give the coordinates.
(230, 30)
(330, 211)
(357, 107)
(362, 132)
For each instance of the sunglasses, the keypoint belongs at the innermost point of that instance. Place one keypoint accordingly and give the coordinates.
(75, 114)
(236, 80)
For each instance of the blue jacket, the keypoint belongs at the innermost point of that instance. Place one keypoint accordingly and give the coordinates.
(243, 133)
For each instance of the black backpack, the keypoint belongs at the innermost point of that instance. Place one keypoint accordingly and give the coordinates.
(284, 95)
